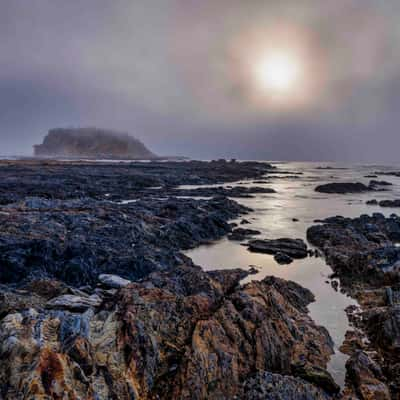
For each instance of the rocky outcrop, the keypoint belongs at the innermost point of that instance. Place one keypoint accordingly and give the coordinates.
(91, 143)
(365, 256)
(198, 338)
(278, 387)
(97, 300)
(75, 241)
(365, 378)
(29, 180)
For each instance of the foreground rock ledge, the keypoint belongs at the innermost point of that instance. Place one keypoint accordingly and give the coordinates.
(184, 334)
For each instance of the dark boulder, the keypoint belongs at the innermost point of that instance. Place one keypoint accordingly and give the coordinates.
(343, 188)
(294, 248)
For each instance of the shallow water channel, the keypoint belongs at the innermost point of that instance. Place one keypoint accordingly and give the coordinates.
(273, 215)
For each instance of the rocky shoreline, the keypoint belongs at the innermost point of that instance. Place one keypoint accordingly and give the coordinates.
(99, 302)
(364, 254)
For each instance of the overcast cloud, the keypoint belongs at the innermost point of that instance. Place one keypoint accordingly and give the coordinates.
(177, 75)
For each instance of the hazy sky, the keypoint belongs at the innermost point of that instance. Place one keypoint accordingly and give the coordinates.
(186, 76)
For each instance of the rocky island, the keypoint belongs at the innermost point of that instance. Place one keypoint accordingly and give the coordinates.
(91, 143)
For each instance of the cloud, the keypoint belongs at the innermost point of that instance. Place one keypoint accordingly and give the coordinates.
(178, 74)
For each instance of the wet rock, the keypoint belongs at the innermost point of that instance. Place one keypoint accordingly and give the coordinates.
(265, 385)
(335, 285)
(380, 183)
(253, 269)
(390, 203)
(74, 303)
(364, 254)
(366, 378)
(343, 188)
(130, 240)
(282, 258)
(294, 248)
(175, 331)
(184, 334)
(372, 202)
(113, 281)
(240, 234)
(234, 192)
(316, 375)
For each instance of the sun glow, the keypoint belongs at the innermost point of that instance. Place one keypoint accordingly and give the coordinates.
(279, 72)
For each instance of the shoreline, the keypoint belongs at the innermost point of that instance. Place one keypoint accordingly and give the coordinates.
(63, 228)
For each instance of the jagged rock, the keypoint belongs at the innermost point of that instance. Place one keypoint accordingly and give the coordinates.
(113, 281)
(343, 187)
(184, 334)
(73, 302)
(365, 378)
(130, 240)
(316, 375)
(268, 386)
(92, 143)
(364, 254)
(294, 248)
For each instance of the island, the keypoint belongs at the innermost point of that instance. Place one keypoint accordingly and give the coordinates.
(92, 143)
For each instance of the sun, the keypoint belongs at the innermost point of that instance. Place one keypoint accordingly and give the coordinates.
(278, 72)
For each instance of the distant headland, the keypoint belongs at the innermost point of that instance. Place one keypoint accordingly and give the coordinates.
(92, 143)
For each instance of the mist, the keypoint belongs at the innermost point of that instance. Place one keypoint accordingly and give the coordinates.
(178, 76)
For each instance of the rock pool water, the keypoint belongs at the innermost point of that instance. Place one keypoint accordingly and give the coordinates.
(273, 215)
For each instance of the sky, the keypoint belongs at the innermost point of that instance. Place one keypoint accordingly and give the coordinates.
(256, 79)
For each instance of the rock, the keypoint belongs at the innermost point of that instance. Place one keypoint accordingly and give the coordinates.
(294, 248)
(343, 188)
(253, 269)
(130, 241)
(364, 254)
(316, 375)
(182, 334)
(265, 385)
(282, 258)
(176, 331)
(113, 281)
(74, 303)
(366, 378)
(379, 183)
(92, 143)
(240, 234)
(390, 203)
(244, 221)
(229, 191)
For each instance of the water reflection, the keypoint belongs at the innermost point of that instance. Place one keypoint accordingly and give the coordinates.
(273, 215)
